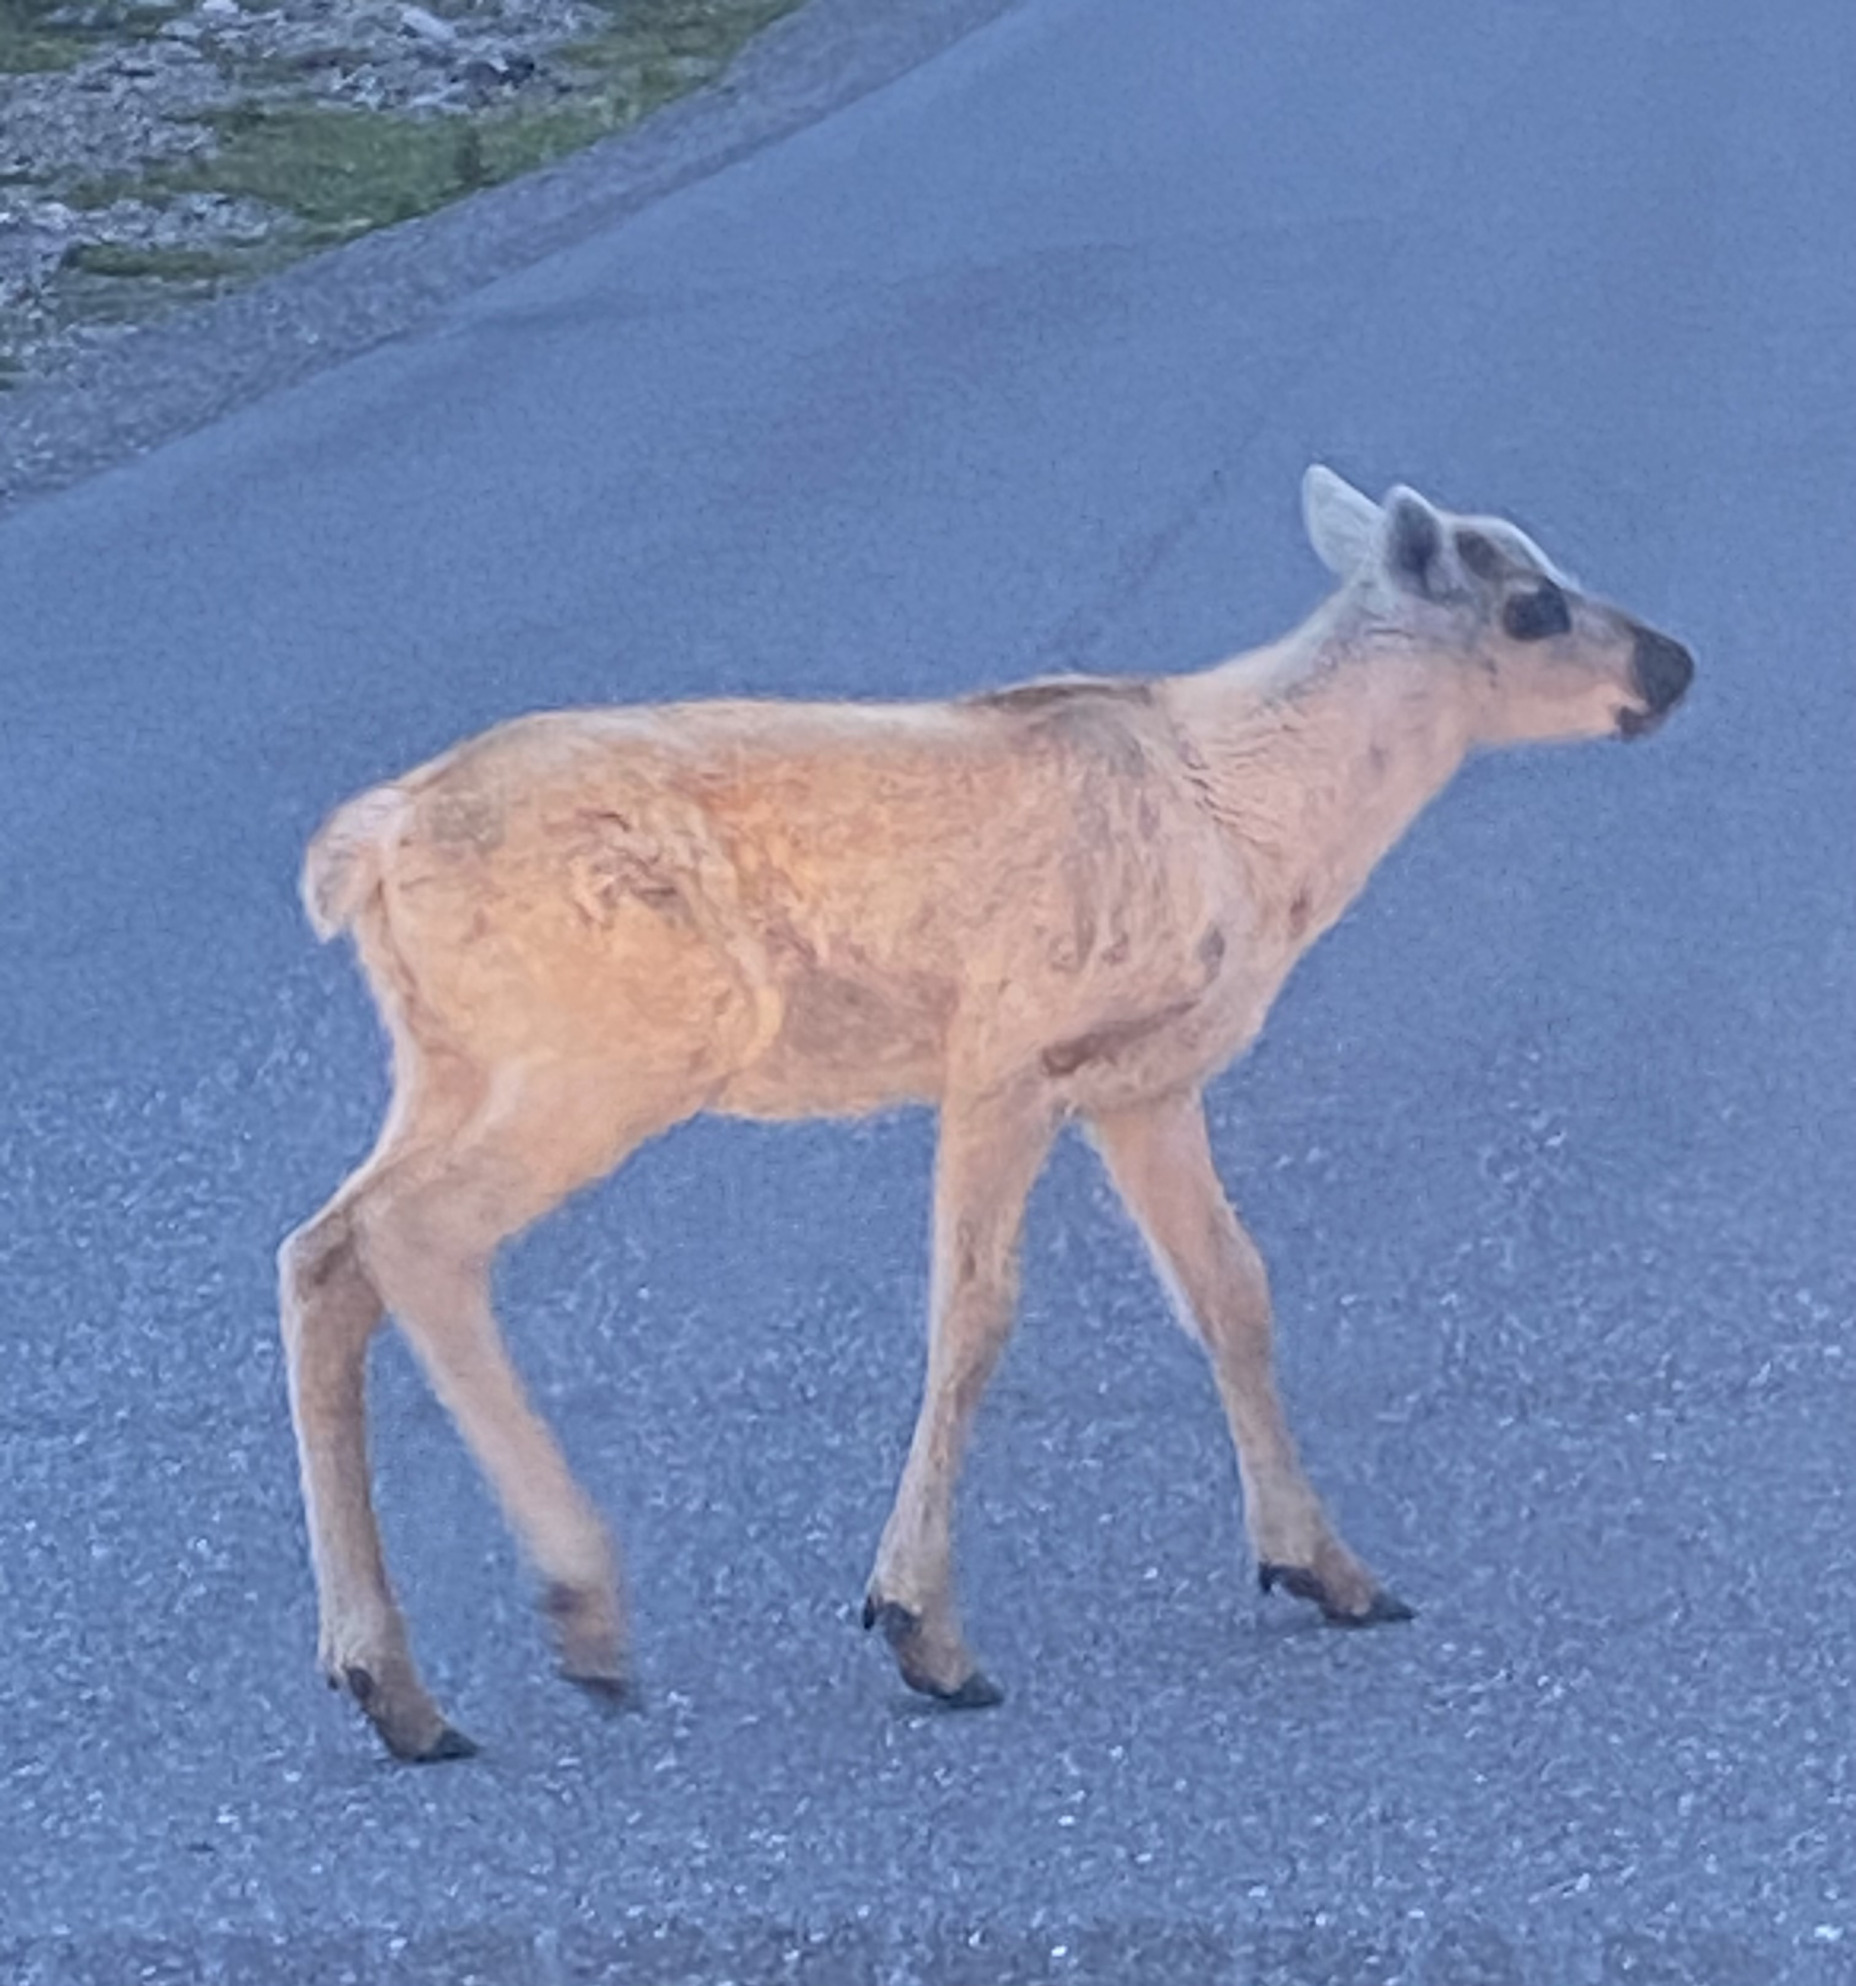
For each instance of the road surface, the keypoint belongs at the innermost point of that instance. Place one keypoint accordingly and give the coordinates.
(1011, 365)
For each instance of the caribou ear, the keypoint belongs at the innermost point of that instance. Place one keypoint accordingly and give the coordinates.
(1342, 524)
(1414, 549)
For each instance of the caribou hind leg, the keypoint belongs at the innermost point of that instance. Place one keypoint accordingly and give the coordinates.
(330, 1310)
(415, 1234)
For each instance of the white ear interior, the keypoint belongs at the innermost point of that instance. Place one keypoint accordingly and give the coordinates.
(1342, 522)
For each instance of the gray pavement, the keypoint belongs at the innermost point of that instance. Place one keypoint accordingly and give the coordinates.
(1010, 364)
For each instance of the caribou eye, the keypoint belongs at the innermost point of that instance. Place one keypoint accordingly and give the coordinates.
(1534, 616)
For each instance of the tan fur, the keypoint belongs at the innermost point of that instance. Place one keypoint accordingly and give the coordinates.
(1071, 899)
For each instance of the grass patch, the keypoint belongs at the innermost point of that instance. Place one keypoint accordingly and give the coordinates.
(33, 54)
(31, 39)
(685, 27)
(342, 171)
(670, 46)
(345, 172)
(29, 42)
(160, 265)
(337, 172)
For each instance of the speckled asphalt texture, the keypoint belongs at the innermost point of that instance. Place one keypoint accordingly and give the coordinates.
(1011, 363)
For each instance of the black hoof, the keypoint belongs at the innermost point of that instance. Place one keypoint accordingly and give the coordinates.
(900, 1626)
(978, 1692)
(448, 1744)
(1386, 1607)
(1298, 1581)
(400, 1727)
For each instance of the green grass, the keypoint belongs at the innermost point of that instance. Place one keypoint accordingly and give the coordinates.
(31, 40)
(28, 42)
(161, 265)
(344, 172)
(670, 45)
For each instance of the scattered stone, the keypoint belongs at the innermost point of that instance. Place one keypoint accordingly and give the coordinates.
(428, 26)
(88, 153)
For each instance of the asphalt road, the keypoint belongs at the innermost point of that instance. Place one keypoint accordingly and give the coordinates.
(1552, 1144)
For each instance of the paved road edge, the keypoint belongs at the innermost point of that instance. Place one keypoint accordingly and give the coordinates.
(179, 375)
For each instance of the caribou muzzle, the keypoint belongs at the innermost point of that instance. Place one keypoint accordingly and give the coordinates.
(1662, 671)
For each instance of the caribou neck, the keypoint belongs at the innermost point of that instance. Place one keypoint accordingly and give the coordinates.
(1314, 755)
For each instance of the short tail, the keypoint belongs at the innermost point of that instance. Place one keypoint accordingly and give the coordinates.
(344, 865)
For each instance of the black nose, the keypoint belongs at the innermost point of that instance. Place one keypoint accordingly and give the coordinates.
(1663, 669)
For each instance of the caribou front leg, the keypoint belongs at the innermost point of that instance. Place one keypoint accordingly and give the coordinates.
(989, 1154)
(1160, 1159)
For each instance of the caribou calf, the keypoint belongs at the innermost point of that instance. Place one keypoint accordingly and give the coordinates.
(1076, 898)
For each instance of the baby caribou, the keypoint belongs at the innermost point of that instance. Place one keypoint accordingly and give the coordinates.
(1072, 899)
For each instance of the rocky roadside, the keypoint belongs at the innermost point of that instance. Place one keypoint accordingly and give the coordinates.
(156, 153)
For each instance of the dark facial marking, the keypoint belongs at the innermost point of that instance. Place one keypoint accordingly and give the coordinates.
(1536, 615)
(1479, 555)
(1663, 669)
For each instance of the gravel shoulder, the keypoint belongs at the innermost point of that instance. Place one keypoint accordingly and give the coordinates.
(134, 319)
(155, 153)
